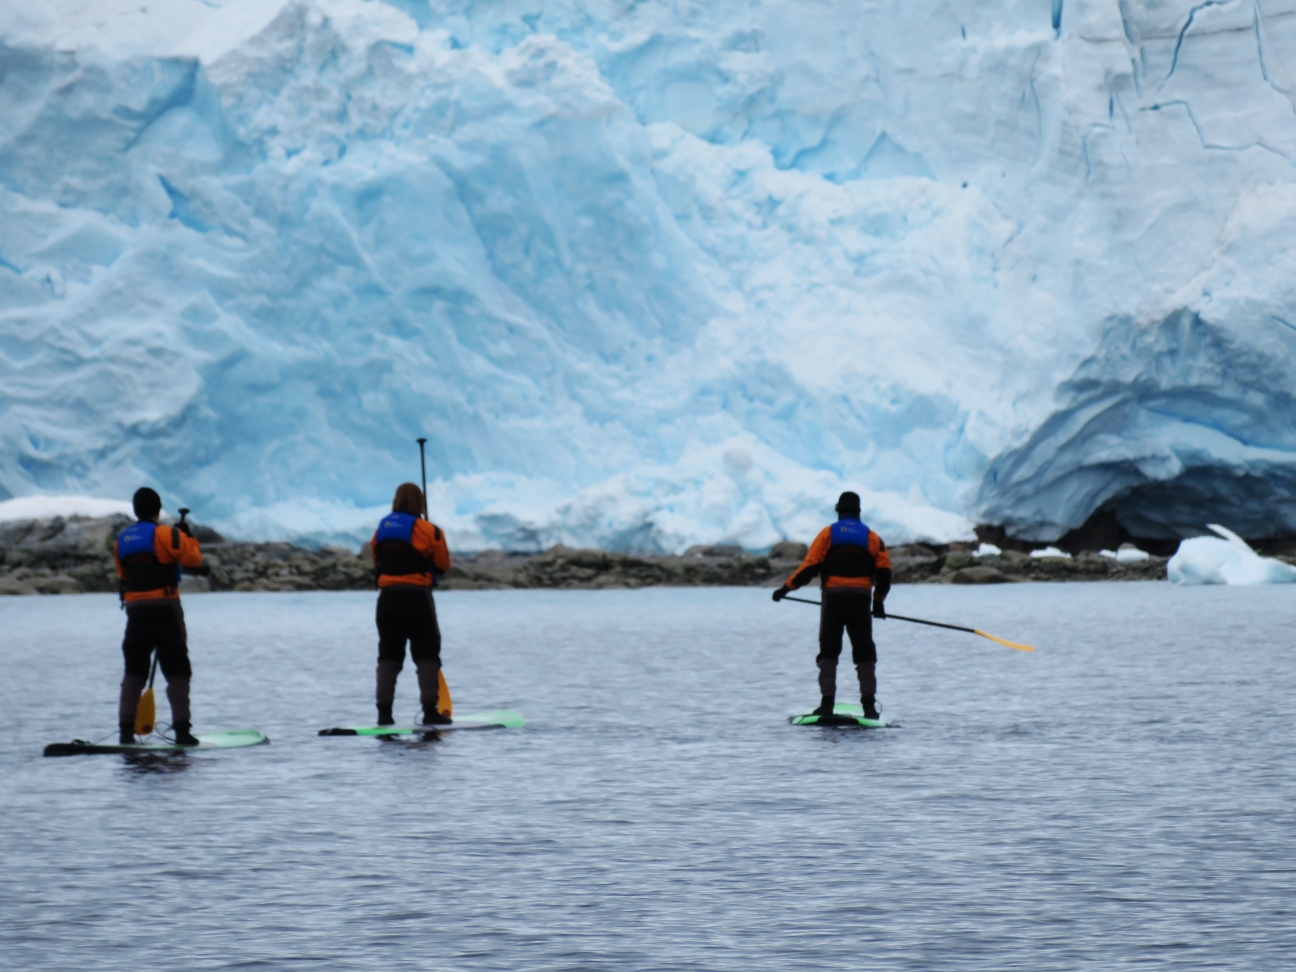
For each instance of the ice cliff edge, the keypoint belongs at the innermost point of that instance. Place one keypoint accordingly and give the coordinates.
(655, 274)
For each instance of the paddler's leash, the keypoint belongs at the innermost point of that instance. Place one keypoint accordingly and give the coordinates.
(934, 624)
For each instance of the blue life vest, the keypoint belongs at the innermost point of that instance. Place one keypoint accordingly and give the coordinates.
(136, 538)
(144, 572)
(393, 544)
(848, 550)
(850, 531)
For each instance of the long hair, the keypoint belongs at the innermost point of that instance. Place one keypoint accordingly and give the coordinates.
(408, 499)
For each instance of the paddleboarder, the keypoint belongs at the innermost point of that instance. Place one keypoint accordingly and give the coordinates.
(409, 552)
(855, 571)
(149, 557)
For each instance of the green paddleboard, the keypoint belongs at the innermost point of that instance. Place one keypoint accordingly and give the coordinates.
(234, 739)
(501, 719)
(844, 717)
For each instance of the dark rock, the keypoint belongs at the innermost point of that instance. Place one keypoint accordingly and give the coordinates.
(958, 559)
(58, 584)
(76, 554)
(789, 550)
(979, 575)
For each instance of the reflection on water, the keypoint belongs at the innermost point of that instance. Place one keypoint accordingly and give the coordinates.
(153, 763)
(1123, 797)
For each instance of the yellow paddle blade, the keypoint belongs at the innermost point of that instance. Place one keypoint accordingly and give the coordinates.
(1005, 642)
(444, 705)
(145, 713)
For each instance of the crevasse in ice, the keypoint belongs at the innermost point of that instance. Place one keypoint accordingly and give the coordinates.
(655, 273)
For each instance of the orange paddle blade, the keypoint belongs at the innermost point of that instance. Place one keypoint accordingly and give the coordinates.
(444, 705)
(145, 713)
(1004, 642)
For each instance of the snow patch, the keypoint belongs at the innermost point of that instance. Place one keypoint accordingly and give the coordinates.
(48, 507)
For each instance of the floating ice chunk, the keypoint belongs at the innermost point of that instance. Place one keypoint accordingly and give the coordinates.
(1051, 552)
(1248, 567)
(1210, 560)
(46, 507)
(987, 550)
(1198, 561)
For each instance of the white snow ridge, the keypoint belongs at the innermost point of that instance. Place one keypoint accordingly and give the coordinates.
(653, 274)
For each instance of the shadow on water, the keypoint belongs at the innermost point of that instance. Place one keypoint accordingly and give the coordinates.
(423, 741)
(854, 735)
(154, 764)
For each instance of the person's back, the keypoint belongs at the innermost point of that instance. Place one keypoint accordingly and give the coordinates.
(855, 571)
(408, 553)
(148, 558)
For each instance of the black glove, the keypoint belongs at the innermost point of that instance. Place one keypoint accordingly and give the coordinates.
(878, 610)
(782, 592)
(184, 528)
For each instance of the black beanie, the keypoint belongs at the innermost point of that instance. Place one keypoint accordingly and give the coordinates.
(848, 503)
(147, 503)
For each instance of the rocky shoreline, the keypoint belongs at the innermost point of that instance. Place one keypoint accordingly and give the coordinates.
(74, 555)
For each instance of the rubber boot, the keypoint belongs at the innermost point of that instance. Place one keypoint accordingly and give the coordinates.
(431, 717)
(870, 709)
(178, 696)
(385, 715)
(429, 689)
(131, 688)
(183, 736)
(825, 707)
(126, 734)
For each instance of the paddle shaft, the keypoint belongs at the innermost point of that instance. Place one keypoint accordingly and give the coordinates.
(900, 617)
(935, 624)
(423, 470)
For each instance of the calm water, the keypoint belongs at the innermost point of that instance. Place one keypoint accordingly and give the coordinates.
(1125, 797)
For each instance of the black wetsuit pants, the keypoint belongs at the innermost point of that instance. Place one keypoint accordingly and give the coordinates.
(408, 614)
(161, 628)
(850, 611)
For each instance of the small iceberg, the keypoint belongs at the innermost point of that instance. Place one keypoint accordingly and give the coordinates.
(987, 550)
(1211, 560)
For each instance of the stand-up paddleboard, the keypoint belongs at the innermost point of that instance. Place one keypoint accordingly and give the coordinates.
(844, 716)
(234, 739)
(502, 719)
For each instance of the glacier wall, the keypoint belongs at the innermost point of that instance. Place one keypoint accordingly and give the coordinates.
(652, 273)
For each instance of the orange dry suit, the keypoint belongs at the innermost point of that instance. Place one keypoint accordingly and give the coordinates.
(409, 551)
(149, 558)
(853, 562)
(848, 556)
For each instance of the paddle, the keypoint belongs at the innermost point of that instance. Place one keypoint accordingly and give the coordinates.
(444, 705)
(146, 709)
(934, 624)
(423, 469)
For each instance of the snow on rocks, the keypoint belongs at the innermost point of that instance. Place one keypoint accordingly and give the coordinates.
(1127, 554)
